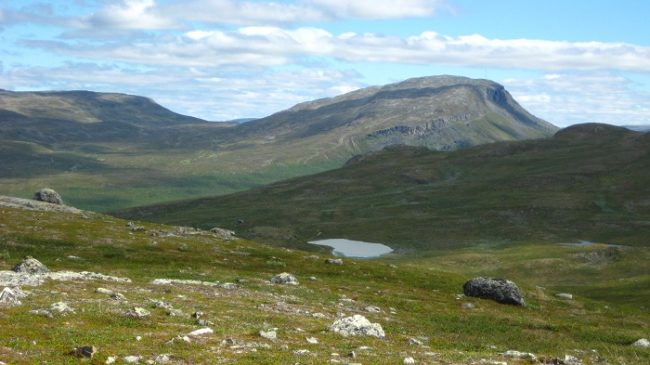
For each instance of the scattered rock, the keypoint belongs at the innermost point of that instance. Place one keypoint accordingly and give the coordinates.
(312, 340)
(61, 308)
(334, 261)
(500, 290)
(642, 343)
(134, 227)
(223, 234)
(179, 339)
(162, 359)
(137, 312)
(356, 325)
(167, 307)
(409, 360)
(48, 196)
(520, 355)
(269, 335)
(132, 359)
(110, 360)
(30, 265)
(12, 278)
(571, 360)
(10, 297)
(284, 278)
(415, 342)
(85, 351)
(301, 352)
(565, 296)
(206, 331)
(41, 312)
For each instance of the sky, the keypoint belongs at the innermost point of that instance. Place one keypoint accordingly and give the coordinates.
(565, 61)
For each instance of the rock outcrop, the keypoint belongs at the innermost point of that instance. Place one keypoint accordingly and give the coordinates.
(500, 290)
(49, 196)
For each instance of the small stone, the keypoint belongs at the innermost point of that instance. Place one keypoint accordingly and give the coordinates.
(206, 331)
(520, 355)
(408, 360)
(132, 359)
(284, 278)
(300, 352)
(138, 338)
(104, 291)
(197, 315)
(373, 309)
(137, 312)
(468, 305)
(30, 265)
(179, 339)
(85, 352)
(415, 342)
(223, 234)
(334, 262)
(312, 340)
(41, 312)
(571, 360)
(61, 308)
(119, 297)
(565, 296)
(110, 360)
(48, 196)
(352, 355)
(269, 335)
(642, 343)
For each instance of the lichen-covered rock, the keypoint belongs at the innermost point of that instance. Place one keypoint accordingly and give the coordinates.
(137, 312)
(642, 343)
(61, 308)
(334, 261)
(49, 196)
(284, 278)
(357, 325)
(500, 290)
(10, 297)
(30, 265)
(85, 351)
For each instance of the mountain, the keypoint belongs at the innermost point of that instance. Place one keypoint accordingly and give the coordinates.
(639, 128)
(108, 151)
(588, 182)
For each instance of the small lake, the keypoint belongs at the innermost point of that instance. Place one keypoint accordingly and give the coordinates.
(350, 248)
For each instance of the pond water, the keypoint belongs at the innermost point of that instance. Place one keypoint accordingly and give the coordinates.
(350, 248)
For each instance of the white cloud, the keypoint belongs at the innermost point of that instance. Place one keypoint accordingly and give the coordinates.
(274, 45)
(566, 99)
(379, 9)
(129, 14)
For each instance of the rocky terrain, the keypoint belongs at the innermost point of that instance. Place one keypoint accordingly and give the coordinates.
(78, 287)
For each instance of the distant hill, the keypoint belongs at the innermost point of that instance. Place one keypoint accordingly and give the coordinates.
(106, 151)
(588, 182)
(639, 128)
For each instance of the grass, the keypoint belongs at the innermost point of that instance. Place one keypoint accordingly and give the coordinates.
(609, 312)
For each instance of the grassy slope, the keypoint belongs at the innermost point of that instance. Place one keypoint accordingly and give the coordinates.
(589, 182)
(422, 291)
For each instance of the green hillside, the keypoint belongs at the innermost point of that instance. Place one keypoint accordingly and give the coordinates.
(588, 182)
(417, 301)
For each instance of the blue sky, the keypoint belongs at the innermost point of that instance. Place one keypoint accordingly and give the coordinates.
(566, 61)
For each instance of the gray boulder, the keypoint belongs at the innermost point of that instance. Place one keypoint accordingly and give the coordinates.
(357, 325)
(48, 196)
(284, 278)
(30, 265)
(500, 290)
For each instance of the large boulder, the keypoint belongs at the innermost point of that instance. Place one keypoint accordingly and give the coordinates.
(48, 196)
(30, 265)
(500, 290)
(357, 325)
